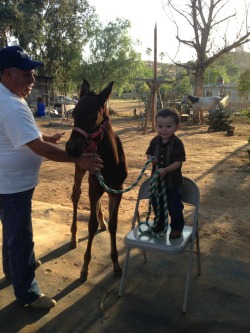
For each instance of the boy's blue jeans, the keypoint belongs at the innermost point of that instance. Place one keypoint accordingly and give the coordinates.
(175, 209)
(17, 244)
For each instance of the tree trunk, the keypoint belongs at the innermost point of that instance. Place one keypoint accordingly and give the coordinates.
(198, 117)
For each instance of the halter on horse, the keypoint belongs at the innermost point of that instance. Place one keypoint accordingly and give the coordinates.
(93, 133)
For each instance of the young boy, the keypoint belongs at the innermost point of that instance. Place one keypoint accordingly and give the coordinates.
(169, 153)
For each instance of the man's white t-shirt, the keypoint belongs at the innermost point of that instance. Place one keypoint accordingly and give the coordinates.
(19, 165)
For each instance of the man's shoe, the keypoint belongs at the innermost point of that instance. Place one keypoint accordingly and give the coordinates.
(43, 302)
(7, 275)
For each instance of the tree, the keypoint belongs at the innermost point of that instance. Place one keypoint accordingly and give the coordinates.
(182, 84)
(213, 73)
(227, 61)
(54, 31)
(244, 83)
(162, 55)
(222, 67)
(148, 52)
(20, 20)
(111, 56)
(209, 24)
(66, 29)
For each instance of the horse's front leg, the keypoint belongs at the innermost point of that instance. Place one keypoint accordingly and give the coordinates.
(75, 196)
(202, 120)
(95, 206)
(114, 203)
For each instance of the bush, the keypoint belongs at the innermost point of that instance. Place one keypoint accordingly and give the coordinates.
(246, 113)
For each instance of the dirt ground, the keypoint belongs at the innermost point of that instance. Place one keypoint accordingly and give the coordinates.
(219, 299)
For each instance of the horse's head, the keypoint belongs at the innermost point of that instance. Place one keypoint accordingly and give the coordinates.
(189, 99)
(90, 120)
(184, 99)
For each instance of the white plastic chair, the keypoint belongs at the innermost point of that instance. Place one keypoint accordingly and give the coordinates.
(190, 235)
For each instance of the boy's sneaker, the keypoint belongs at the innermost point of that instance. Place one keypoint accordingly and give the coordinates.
(175, 234)
(43, 302)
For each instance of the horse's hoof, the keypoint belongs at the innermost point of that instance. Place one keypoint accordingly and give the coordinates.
(83, 276)
(118, 273)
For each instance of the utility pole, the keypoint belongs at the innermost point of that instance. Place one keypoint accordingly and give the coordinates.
(154, 86)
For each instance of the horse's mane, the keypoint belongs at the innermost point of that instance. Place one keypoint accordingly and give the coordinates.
(193, 99)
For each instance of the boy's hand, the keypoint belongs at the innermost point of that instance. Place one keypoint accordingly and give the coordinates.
(162, 172)
(155, 160)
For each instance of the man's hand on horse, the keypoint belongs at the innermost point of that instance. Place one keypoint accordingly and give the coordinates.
(56, 137)
(92, 163)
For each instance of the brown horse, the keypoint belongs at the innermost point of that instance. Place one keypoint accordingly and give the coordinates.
(93, 133)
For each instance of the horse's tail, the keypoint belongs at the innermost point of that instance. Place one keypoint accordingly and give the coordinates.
(224, 101)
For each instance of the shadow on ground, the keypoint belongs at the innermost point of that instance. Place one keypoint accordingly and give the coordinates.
(219, 300)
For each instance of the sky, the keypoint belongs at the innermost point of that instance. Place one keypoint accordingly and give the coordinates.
(144, 15)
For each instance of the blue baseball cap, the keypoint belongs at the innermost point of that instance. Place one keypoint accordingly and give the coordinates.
(15, 56)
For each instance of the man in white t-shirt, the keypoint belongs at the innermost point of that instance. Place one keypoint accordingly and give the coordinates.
(22, 147)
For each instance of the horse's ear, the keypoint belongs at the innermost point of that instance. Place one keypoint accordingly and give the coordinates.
(105, 93)
(84, 88)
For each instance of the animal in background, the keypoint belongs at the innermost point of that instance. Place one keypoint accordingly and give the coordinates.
(140, 117)
(200, 104)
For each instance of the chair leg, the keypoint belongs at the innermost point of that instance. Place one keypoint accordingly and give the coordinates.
(184, 308)
(198, 253)
(144, 256)
(124, 269)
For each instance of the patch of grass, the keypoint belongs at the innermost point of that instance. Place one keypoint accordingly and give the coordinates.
(246, 112)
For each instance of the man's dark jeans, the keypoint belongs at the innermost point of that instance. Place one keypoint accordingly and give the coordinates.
(18, 246)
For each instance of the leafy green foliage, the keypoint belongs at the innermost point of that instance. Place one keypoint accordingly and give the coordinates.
(57, 31)
(112, 57)
(244, 83)
(20, 20)
(225, 67)
(52, 31)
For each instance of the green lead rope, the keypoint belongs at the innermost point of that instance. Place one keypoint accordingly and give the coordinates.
(157, 188)
(110, 190)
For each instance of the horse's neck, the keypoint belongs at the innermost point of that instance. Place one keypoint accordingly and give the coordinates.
(110, 148)
(111, 151)
(106, 146)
